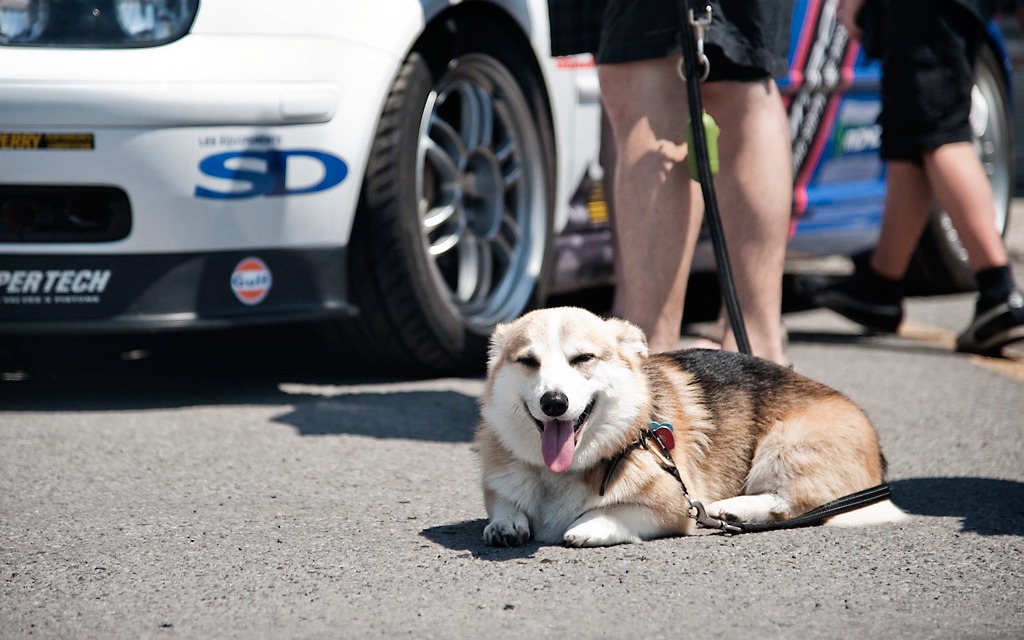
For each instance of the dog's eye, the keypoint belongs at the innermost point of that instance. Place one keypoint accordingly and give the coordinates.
(528, 361)
(582, 358)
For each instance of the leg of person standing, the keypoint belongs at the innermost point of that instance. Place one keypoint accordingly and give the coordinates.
(755, 191)
(656, 220)
(658, 207)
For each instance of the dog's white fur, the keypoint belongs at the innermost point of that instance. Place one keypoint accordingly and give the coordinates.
(605, 363)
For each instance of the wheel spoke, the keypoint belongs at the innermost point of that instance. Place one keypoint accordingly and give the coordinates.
(436, 216)
(512, 177)
(443, 162)
(445, 242)
(510, 224)
(438, 185)
(476, 122)
(503, 251)
(475, 270)
(506, 156)
(448, 137)
(504, 151)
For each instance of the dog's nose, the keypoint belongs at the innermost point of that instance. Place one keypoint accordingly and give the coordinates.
(554, 403)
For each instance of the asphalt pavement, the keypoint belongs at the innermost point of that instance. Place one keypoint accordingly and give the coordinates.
(233, 487)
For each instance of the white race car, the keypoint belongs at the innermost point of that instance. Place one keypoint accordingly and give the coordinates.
(395, 170)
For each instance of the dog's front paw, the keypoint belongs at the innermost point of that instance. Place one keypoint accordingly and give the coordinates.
(598, 531)
(725, 516)
(509, 531)
(763, 507)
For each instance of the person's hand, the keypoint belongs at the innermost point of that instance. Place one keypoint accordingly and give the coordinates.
(848, 11)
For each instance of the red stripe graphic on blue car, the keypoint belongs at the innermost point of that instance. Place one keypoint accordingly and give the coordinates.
(822, 66)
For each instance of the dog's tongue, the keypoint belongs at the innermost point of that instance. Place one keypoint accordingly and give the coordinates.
(558, 443)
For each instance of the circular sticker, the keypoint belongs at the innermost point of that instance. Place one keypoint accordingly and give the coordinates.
(251, 281)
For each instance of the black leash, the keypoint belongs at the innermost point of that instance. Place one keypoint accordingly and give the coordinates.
(812, 518)
(693, 55)
(650, 440)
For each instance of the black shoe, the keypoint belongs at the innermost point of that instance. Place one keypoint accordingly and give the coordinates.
(995, 328)
(852, 298)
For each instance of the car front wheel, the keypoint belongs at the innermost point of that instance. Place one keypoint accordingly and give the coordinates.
(453, 231)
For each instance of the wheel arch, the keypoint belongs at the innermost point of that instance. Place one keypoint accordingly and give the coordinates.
(475, 26)
(486, 26)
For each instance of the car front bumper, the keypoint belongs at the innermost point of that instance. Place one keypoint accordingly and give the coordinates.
(113, 293)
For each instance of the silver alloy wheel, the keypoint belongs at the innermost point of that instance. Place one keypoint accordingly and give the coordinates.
(480, 188)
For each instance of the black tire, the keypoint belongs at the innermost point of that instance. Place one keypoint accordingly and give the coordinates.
(453, 231)
(940, 264)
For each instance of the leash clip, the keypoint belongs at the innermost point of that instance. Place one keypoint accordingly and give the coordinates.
(700, 25)
(704, 520)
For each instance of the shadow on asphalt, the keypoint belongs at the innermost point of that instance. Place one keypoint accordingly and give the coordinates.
(468, 536)
(430, 416)
(985, 506)
(434, 416)
(261, 368)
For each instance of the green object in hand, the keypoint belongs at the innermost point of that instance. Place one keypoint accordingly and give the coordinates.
(711, 136)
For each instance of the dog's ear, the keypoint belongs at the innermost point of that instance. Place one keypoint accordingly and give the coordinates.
(632, 340)
(496, 346)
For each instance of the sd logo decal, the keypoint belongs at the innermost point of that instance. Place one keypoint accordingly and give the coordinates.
(272, 179)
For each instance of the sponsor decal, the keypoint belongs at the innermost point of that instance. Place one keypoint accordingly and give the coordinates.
(858, 139)
(53, 286)
(32, 141)
(582, 61)
(857, 127)
(254, 140)
(251, 281)
(264, 172)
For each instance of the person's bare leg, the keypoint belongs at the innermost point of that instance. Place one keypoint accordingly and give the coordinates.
(963, 190)
(655, 226)
(907, 208)
(959, 182)
(754, 190)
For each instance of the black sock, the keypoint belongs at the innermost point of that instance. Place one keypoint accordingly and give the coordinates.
(878, 287)
(995, 285)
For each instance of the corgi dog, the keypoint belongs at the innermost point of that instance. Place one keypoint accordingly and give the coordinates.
(573, 404)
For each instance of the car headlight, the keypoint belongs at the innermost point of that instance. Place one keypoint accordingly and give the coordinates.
(153, 19)
(22, 20)
(95, 23)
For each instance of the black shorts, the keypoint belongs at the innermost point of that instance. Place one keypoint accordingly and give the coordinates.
(747, 39)
(927, 77)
